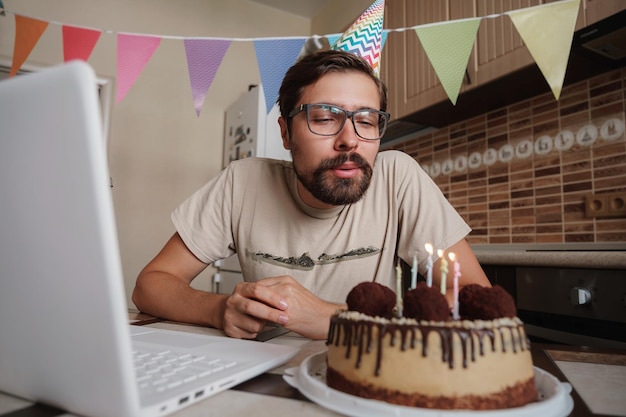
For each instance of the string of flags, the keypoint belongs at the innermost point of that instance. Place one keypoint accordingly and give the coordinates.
(547, 30)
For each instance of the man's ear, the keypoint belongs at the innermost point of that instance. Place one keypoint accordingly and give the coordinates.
(284, 132)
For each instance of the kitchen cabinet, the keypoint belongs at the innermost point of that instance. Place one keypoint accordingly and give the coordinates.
(413, 84)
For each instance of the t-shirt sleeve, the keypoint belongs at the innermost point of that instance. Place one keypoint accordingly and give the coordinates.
(203, 220)
(426, 216)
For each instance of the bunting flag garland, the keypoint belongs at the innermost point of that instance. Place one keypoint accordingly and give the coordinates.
(133, 53)
(547, 32)
(448, 46)
(204, 57)
(273, 66)
(78, 43)
(27, 34)
(364, 37)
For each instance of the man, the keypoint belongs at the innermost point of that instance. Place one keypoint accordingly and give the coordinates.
(307, 232)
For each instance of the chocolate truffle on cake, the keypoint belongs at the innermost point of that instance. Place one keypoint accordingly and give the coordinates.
(373, 299)
(484, 303)
(426, 303)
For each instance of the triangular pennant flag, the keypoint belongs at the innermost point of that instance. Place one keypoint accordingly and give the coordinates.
(27, 34)
(548, 31)
(274, 58)
(364, 37)
(448, 46)
(78, 43)
(204, 57)
(2, 13)
(133, 53)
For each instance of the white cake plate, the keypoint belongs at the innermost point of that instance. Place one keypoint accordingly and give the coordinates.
(310, 379)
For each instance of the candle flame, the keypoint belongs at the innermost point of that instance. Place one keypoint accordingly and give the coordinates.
(429, 248)
(452, 256)
(440, 252)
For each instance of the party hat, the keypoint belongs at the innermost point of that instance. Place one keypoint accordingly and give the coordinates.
(364, 37)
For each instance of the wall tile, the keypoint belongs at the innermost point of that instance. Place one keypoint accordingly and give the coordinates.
(535, 197)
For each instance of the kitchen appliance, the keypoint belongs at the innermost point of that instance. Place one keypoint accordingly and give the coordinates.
(249, 131)
(574, 306)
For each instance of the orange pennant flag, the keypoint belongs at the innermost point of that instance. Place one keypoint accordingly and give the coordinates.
(27, 34)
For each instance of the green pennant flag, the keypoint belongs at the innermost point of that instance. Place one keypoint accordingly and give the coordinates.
(548, 31)
(448, 46)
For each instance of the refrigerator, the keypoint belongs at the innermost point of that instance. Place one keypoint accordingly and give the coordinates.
(249, 130)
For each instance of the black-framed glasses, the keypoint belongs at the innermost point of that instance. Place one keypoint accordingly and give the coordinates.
(328, 120)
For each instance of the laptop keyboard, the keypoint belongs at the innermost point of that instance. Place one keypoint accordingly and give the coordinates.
(163, 370)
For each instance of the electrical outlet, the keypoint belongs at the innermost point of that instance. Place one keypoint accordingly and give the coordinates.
(605, 205)
(595, 205)
(616, 204)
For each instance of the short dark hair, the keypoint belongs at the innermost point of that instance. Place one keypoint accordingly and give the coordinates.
(311, 67)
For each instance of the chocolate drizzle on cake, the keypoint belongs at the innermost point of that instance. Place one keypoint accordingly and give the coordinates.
(358, 331)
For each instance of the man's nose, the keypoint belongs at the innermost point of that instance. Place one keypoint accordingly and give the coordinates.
(347, 139)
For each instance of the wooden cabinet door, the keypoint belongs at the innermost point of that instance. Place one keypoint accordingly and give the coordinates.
(498, 50)
(596, 10)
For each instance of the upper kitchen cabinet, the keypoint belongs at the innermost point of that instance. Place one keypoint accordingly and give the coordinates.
(498, 50)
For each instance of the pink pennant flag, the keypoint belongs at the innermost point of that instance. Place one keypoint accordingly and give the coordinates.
(133, 53)
(204, 57)
(27, 34)
(78, 43)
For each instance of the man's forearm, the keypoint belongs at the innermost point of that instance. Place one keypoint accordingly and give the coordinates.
(161, 295)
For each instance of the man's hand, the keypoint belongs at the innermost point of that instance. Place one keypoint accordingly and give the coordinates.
(280, 300)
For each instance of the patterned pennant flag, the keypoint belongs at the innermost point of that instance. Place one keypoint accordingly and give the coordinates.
(78, 43)
(548, 31)
(448, 46)
(274, 57)
(27, 34)
(364, 37)
(204, 57)
(133, 53)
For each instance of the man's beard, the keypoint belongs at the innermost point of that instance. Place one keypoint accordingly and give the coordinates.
(328, 188)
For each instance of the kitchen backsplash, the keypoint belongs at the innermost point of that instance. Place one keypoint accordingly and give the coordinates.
(520, 174)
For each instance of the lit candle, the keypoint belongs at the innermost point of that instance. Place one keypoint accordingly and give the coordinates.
(457, 274)
(429, 264)
(414, 273)
(444, 270)
(398, 290)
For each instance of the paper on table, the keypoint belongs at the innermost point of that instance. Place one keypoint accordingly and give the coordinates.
(601, 386)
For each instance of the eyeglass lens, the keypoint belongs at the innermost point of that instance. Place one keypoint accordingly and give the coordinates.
(329, 120)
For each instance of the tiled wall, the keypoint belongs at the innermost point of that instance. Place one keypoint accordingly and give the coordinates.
(520, 174)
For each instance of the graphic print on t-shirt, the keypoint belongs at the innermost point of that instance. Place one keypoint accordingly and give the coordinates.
(306, 263)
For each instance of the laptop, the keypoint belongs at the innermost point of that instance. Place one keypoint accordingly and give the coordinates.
(65, 337)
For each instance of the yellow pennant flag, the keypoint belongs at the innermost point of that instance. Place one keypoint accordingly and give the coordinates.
(548, 31)
(448, 46)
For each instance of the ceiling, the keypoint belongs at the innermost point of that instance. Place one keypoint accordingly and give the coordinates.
(303, 8)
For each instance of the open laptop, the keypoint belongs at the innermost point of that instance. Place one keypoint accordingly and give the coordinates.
(65, 339)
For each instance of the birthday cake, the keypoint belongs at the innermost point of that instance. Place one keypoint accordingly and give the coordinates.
(427, 359)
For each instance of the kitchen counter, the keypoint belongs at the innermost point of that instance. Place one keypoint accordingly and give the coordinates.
(567, 255)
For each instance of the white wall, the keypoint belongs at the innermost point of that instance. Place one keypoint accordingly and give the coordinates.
(159, 150)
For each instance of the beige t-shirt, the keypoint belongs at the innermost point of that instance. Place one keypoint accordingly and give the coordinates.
(252, 208)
